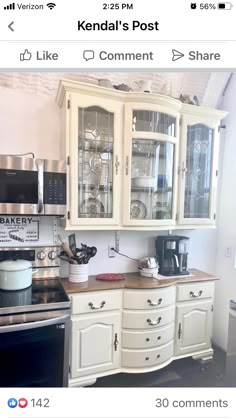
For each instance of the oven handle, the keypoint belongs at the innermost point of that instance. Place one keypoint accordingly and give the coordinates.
(35, 324)
(40, 166)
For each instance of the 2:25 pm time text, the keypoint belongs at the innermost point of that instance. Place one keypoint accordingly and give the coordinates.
(117, 6)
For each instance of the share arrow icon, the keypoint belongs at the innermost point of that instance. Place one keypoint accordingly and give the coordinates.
(176, 55)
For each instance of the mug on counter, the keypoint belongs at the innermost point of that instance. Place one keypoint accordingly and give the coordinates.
(142, 85)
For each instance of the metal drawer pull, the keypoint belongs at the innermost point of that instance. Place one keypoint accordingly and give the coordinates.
(97, 307)
(153, 303)
(154, 322)
(193, 294)
(146, 358)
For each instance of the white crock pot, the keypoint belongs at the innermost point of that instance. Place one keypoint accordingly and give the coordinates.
(15, 275)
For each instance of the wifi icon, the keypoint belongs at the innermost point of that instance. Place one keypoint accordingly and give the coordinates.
(51, 5)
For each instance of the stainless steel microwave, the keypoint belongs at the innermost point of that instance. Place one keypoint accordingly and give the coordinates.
(32, 186)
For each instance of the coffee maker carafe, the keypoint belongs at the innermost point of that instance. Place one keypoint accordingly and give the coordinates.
(172, 253)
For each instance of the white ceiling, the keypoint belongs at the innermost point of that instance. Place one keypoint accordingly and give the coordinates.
(207, 86)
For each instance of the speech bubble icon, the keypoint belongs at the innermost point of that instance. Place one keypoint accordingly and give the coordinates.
(88, 55)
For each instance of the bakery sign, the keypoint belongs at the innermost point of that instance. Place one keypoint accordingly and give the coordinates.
(17, 229)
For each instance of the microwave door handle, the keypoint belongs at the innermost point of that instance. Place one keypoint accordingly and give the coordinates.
(40, 167)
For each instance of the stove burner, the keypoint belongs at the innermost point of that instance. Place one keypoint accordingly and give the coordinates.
(41, 294)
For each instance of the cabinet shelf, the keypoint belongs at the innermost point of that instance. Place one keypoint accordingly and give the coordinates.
(152, 189)
(88, 188)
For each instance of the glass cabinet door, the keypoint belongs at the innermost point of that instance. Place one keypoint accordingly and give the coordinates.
(151, 164)
(198, 174)
(152, 168)
(95, 163)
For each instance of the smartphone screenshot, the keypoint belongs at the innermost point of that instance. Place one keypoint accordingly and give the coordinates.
(117, 210)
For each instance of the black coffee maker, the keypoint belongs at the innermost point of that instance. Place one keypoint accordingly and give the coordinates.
(172, 253)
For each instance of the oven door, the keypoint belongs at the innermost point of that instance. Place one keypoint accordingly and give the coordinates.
(21, 181)
(35, 354)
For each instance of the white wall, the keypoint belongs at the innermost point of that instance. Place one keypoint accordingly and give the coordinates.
(141, 244)
(226, 287)
(29, 123)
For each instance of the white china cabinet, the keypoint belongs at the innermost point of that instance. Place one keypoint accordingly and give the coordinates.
(137, 160)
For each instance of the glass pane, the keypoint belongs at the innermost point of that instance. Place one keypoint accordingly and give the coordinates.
(198, 171)
(155, 122)
(151, 179)
(95, 149)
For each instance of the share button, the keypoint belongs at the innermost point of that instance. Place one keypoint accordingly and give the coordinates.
(176, 55)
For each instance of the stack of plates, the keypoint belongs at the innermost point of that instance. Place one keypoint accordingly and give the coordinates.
(148, 272)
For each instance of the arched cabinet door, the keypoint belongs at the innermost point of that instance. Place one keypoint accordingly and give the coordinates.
(193, 327)
(95, 161)
(198, 167)
(151, 160)
(95, 344)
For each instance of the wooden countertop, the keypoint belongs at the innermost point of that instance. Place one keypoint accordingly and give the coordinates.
(134, 281)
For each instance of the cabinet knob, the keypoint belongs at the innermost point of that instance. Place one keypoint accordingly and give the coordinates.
(154, 303)
(97, 307)
(147, 339)
(184, 170)
(154, 322)
(146, 358)
(195, 295)
(159, 337)
(158, 356)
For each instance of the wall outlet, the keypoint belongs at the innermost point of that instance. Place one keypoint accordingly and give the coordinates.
(111, 252)
(228, 251)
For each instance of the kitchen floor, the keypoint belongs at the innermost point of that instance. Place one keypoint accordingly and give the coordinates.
(180, 373)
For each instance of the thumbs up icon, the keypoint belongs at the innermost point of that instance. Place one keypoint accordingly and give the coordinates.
(25, 56)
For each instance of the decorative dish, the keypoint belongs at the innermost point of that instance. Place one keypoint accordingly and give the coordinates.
(138, 210)
(92, 207)
(110, 276)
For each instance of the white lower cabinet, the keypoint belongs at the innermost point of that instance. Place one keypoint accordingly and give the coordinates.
(95, 344)
(130, 330)
(193, 327)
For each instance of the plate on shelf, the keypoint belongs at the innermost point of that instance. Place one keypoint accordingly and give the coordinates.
(92, 207)
(138, 210)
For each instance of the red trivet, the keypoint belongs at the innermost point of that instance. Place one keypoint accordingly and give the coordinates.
(110, 276)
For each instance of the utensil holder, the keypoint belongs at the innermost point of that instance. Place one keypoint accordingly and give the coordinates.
(78, 273)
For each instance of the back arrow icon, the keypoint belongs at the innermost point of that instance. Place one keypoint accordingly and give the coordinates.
(176, 55)
(10, 26)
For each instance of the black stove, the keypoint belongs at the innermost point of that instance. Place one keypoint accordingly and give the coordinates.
(41, 296)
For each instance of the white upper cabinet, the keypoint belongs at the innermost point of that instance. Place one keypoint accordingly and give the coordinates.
(131, 164)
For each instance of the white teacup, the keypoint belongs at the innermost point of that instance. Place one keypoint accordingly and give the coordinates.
(142, 85)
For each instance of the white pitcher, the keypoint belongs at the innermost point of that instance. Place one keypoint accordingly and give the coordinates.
(142, 85)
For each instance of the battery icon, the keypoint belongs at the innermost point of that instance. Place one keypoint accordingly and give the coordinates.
(225, 6)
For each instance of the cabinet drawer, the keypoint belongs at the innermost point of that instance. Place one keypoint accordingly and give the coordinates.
(92, 302)
(193, 291)
(147, 339)
(148, 319)
(146, 358)
(149, 298)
